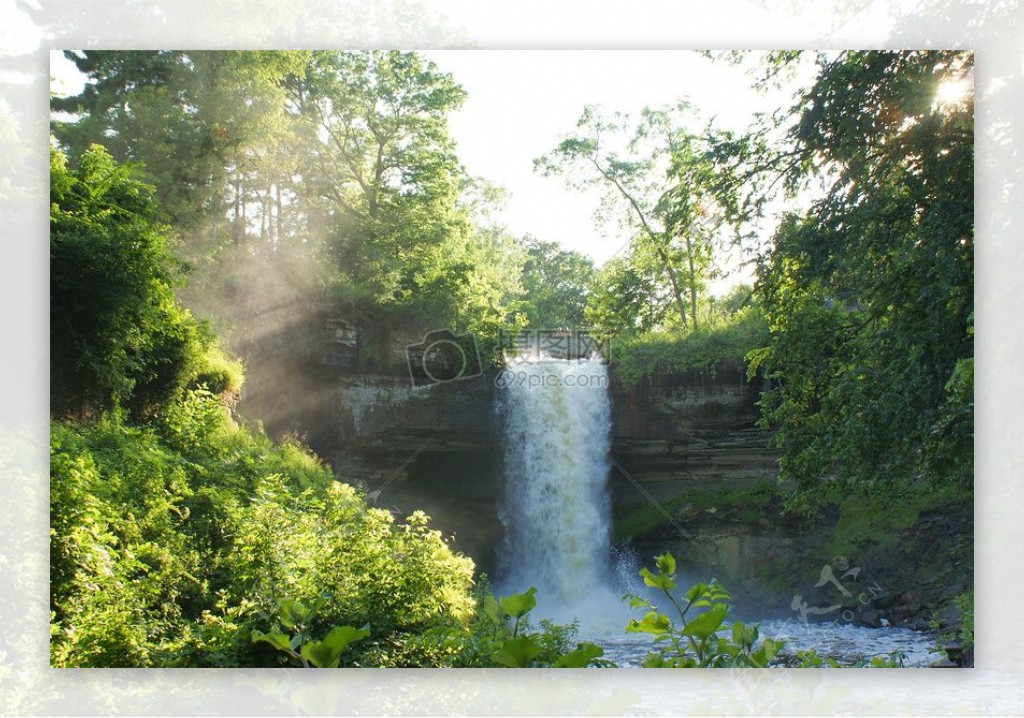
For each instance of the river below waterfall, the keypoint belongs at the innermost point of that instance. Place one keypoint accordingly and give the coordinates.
(845, 643)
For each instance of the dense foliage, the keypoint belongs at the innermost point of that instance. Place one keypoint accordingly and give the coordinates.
(327, 175)
(556, 286)
(171, 542)
(117, 336)
(659, 353)
(869, 292)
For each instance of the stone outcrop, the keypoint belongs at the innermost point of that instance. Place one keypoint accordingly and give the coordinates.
(692, 431)
(412, 444)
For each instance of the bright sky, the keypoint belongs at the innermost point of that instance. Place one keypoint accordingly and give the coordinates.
(521, 102)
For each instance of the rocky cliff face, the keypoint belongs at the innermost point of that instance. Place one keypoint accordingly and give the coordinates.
(437, 447)
(687, 459)
(681, 432)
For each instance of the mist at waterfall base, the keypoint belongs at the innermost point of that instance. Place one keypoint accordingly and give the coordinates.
(555, 419)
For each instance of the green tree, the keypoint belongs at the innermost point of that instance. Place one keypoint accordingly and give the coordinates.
(629, 295)
(659, 181)
(117, 337)
(209, 130)
(869, 293)
(384, 168)
(556, 285)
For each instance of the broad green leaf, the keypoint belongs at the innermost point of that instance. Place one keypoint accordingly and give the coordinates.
(737, 633)
(277, 640)
(666, 564)
(706, 623)
(519, 604)
(581, 657)
(321, 655)
(340, 636)
(653, 622)
(766, 652)
(657, 580)
(518, 652)
(695, 591)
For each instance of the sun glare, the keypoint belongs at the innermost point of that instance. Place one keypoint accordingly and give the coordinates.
(953, 92)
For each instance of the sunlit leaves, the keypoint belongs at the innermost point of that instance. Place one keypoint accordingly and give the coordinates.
(174, 543)
(706, 623)
(696, 635)
(519, 604)
(655, 623)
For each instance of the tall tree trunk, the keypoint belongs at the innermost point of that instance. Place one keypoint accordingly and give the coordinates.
(236, 228)
(245, 217)
(693, 280)
(666, 265)
(263, 216)
(277, 188)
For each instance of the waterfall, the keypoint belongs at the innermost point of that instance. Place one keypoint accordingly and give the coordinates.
(556, 419)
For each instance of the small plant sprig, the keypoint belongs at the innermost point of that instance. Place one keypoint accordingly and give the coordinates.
(698, 639)
(297, 618)
(518, 649)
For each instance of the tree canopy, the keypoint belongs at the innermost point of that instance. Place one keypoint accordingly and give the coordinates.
(869, 292)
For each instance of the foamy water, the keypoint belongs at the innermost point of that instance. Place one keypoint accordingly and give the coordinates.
(556, 419)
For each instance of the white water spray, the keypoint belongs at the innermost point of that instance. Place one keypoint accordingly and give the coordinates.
(556, 418)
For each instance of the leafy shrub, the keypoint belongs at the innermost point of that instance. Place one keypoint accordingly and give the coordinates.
(218, 373)
(171, 542)
(964, 603)
(637, 357)
(118, 338)
(500, 634)
(297, 619)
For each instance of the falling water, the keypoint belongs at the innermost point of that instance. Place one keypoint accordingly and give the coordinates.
(556, 420)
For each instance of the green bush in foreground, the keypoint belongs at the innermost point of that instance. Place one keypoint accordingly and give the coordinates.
(172, 541)
(498, 636)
